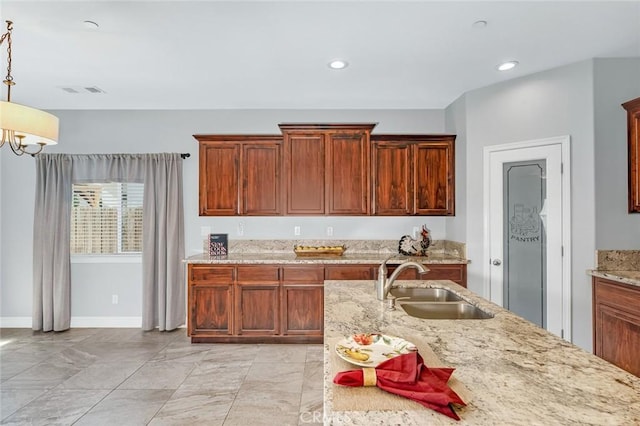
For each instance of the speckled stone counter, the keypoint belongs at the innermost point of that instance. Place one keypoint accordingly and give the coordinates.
(358, 252)
(516, 372)
(618, 265)
(290, 258)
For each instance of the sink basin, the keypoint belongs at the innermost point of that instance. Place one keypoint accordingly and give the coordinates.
(425, 294)
(430, 310)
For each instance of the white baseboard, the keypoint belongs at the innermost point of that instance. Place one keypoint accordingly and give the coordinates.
(15, 322)
(78, 322)
(106, 322)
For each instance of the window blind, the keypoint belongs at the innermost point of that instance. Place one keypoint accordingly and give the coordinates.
(106, 218)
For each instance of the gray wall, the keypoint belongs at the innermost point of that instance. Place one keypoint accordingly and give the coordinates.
(615, 81)
(551, 103)
(456, 123)
(171, 131)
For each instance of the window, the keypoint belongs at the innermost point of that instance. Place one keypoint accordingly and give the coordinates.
(106, 218)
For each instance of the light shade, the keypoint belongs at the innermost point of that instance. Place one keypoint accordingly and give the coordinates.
(37, 126)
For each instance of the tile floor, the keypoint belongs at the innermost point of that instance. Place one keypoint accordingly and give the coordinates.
(130, 377)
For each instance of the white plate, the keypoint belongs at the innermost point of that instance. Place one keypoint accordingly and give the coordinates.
(382, 347)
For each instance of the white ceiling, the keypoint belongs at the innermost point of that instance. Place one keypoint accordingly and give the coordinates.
(274, 54)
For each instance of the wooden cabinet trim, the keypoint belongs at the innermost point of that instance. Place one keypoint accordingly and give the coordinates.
(633, 153)
(325, 127)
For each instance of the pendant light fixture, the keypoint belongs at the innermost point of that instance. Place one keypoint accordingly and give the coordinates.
(21, 125)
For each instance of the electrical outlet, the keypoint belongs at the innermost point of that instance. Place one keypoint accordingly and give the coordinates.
(114, 299)
(296, 230)
(205, 231)
(329, 231)
(240, 229)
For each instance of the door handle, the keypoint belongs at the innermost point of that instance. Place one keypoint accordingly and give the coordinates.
(497, 262)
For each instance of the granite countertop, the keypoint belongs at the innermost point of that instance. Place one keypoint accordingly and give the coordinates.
(618, 265)
(347, 258)
(625, 277)
(516, 372)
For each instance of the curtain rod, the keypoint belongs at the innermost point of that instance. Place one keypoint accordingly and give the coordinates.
(185, 155)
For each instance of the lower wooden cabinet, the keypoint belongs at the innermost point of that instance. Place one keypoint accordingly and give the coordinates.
(210, 300)
(303, 300)
(616, 323)
(257, 301)
(275, 303)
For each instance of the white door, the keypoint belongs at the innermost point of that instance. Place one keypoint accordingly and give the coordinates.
(527, 231)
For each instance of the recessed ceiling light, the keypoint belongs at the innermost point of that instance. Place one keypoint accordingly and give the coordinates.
(90, 25)
(479, 24)
(338, 64)
(505, 66)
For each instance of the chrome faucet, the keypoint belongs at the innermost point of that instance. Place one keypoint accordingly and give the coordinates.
(384, 284)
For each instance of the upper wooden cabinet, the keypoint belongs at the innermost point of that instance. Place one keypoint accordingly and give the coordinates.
(413, 175)
(633, 129)
(327, 168)
(240, 175)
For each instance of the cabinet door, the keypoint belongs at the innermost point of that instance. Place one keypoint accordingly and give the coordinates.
(617, 324)
(257, 308)
(303, 300)
(433, 176)
(347, 172)
(260, 170)
(211, 310)
(304, 309)
(257, 304)
(219, 179)
(210, 300)
(305, 173)
(392, 179)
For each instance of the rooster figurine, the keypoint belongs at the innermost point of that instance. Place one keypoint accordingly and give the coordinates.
(411, 247)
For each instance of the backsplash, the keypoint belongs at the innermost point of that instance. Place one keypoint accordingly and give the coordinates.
(618, 260)
(452, 248)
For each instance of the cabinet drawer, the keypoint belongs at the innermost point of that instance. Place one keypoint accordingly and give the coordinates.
(303, 274)
(210, 274)
(258, 273)
(617, 294)
(355, 272)
(444, 272)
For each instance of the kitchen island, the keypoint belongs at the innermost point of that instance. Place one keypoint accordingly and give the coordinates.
(516, 373)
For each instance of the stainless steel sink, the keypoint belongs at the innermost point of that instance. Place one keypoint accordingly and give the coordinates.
(425, 294)
(444, 310)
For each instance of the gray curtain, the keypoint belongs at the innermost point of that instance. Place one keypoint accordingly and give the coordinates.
(51, 244)
(163, 233)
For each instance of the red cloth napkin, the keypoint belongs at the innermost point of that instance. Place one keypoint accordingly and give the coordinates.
(407, 376)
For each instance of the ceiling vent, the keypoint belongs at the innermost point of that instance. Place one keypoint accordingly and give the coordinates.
(82, 89)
